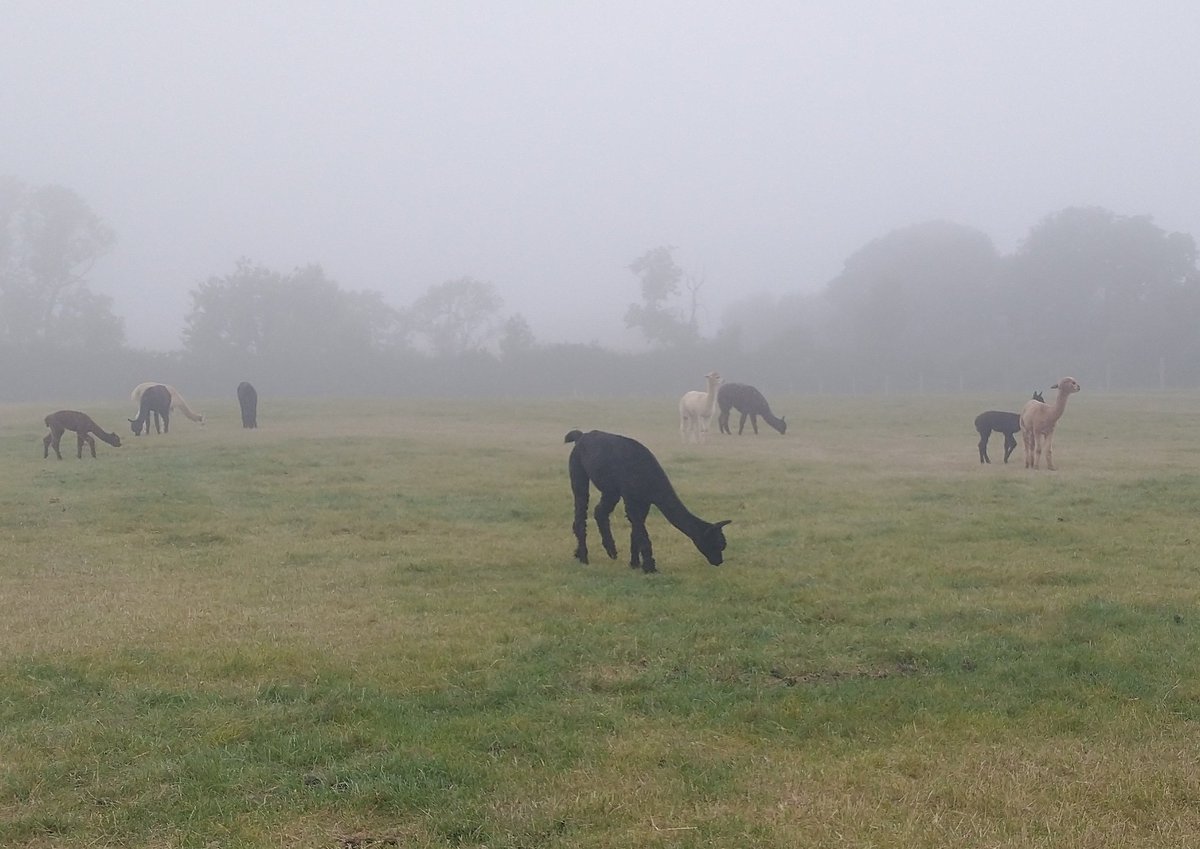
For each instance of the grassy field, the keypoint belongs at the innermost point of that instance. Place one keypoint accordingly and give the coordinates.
(361, 626)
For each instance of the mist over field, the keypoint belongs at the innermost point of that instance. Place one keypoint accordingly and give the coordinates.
(475, 178)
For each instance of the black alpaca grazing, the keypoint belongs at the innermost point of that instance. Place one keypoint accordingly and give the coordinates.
(83, 426)
(623, 468)
(248, 401)
(156, 401)
(749, 402)
(1001, 422)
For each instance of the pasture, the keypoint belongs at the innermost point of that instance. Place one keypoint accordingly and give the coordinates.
(361, 625)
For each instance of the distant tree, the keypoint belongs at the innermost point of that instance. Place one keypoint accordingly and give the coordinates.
(1104, 291)
(456, 317)
(655, 317)
(49, 241)
(517, 337)
(256, 312)
(916, 303)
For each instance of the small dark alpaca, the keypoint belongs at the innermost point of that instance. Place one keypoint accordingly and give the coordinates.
(749, 402)
(1001, 422)
(83, 426)
(156, 401)
(623, 468)
(248, 400)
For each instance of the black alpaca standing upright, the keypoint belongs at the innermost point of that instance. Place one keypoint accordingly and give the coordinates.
(156, 401)
(623, 468)
(248, 401)
(749, 402)
(1001, 422)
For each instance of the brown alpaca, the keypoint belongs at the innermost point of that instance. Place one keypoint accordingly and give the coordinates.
(1038, 420)
(83, 426)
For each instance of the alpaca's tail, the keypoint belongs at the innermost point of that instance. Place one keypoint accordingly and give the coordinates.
(573, 436)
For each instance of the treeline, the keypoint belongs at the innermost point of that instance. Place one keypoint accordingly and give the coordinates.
(933, 308)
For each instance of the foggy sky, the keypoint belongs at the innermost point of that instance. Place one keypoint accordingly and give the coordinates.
(542, 146)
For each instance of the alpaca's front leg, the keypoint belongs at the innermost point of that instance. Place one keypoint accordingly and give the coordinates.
(1049, 458)
(641, 555)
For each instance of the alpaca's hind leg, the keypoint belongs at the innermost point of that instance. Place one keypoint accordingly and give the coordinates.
(608, 503)
(53, 438)
(579, 487)
(1010, 445)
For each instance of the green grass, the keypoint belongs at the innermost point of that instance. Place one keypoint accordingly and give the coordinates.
(361, 625)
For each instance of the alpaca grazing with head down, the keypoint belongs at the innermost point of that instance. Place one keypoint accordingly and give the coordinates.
(748, 401)
(156, 402)
(1001, 422)
(177, 399)
(696, 410)
(83, 426)
(623, 468)
(248, 400)
(1038, 420)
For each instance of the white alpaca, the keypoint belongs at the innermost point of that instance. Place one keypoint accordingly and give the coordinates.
(696, 409)
(177, 402)
(1038, 420)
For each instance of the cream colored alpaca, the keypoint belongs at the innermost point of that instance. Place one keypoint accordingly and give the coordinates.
(177, 402)
(696, 410)
(1038, 420)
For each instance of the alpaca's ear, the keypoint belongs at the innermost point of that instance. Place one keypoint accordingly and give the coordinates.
(720, 525)
(1055, 386)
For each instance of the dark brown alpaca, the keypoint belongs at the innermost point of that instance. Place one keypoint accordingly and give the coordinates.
(1006, 423)
(748, 401)
(248, 401)
(156, 401)
(83, 426)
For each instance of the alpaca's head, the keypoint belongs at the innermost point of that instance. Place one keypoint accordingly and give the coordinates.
(1067, 386)
(782, 424)
(711, 542)
(136, 426)
(111, 438)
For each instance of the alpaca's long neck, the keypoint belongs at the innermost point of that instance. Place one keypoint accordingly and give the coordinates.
(1060, 405)
(710, 400)
(674, 512)
(771, 419)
